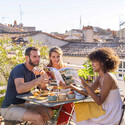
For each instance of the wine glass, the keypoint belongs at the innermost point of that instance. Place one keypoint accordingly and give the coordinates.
(49, 87)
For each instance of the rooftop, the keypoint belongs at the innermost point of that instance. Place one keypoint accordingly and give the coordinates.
(82, 49)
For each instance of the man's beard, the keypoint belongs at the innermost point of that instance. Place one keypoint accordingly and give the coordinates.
(31, 63)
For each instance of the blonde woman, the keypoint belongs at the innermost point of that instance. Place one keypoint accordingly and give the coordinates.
(55, 60)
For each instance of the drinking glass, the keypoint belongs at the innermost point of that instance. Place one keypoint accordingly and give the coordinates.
(49, 87)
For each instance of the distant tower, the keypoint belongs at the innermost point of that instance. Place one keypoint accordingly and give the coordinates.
(20, 14)
(3, 19)
(80, 23)
(15, 22)
(121, 23)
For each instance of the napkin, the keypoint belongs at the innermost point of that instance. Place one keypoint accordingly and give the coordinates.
(88, 110)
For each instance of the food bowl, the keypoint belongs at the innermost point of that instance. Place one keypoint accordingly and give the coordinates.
(71, 96)
(62, 96)
(79, 96)
(52, 98)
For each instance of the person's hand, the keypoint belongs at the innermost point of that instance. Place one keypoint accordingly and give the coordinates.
(38, 71)
(67, 86)
(72, 85)
(83, 82)
(61, 83)
(43, 79)
(64, 86)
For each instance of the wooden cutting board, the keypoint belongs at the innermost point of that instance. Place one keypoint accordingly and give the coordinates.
(39, 98)
(62, 100)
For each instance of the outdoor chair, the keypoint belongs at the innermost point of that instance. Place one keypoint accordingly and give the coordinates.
(123, 108)
(69, 114)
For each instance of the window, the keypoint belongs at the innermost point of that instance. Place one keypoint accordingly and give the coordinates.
(123, 64)
(120, 66)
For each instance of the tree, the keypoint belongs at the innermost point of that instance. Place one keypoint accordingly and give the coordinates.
(12, 54)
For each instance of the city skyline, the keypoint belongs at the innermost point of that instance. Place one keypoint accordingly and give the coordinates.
(59, 16)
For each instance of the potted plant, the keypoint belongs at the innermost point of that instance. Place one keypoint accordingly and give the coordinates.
(87, 71)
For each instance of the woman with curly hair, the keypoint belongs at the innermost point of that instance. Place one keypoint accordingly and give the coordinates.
(104, 61)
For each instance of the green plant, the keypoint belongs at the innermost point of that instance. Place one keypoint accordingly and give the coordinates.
(13, 54)
(87, 71)
(1, 100)
(124, 78)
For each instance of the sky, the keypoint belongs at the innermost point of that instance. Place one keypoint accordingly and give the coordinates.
(61, 15)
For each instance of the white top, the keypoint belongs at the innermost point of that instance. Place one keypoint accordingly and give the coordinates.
(113, 107)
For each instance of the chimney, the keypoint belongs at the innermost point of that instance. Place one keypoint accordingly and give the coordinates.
(15, 22)
(108, 30)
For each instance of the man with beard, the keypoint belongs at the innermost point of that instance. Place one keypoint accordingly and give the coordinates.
(22, 80)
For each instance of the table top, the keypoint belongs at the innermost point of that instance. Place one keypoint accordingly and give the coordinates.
(44, 102)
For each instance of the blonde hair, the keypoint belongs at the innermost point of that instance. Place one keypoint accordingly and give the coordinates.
(57, 50)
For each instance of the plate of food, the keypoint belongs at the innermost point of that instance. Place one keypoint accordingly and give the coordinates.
(41, 93)
(39, 98)
(97, 91)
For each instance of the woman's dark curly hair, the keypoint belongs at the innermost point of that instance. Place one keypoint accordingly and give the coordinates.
(107, 57)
